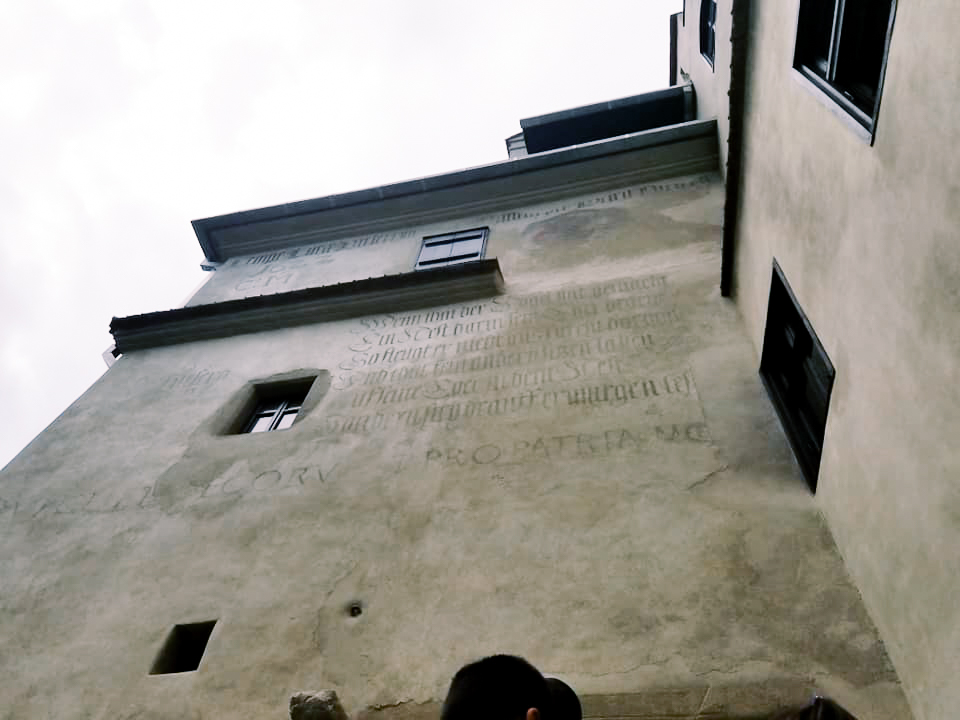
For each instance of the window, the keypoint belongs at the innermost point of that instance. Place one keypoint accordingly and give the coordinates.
(842, 49)
(452, 248)
(278, 402)
(183, 649)
(277, 406)
(798, 375)
(708, 29)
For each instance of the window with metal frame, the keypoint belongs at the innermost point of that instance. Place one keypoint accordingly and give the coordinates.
(798, 375)
(842, 48)
(708, 30)
(452, 248)
(278, 411)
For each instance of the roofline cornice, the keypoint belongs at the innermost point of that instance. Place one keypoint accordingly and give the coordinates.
(687, 148)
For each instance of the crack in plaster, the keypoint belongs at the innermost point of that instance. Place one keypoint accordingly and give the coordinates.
(708, 476)
(398, 703)
(655, 663)
(703, 701)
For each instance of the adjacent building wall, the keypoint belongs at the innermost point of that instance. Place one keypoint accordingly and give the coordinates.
(711, 83)
(583, 470)
(867, 237)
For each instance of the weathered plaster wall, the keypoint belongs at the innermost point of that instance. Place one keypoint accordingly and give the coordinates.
(583, 470)
(576, 223)
(711, 83)
(867, 236)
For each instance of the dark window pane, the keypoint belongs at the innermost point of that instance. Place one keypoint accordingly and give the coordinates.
(814, 33)
(863, 40)
(708, 17)
(798, 375)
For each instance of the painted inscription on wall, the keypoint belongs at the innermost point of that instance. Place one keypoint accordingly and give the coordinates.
(573, 220)
(285, 270)
(547, 210)
(238, 483)
(193, 381)
(567, 350)
(323, 249)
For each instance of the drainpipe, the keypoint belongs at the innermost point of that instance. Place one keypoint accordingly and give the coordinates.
(739, 38)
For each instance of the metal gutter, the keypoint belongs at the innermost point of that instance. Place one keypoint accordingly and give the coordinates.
(739, 38)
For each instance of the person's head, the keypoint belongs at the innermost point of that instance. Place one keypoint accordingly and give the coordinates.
(504, 687)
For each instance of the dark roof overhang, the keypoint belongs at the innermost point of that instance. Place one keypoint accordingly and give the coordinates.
(589, 123)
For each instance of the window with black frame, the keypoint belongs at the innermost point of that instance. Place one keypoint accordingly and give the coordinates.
(708, 30)
(798, 376)
(842, 48)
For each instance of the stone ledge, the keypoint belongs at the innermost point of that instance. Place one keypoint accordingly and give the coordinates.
(391, 293)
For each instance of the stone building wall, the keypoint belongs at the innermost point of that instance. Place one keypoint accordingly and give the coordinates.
(866, 236)
(583, 470)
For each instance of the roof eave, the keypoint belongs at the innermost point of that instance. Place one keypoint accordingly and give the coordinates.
(647, 156)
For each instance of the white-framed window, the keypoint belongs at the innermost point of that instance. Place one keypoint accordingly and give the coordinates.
(452, 248)
(842, 48)
(274, 415)
(277, 406)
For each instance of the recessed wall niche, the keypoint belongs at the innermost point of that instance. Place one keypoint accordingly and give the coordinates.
(183, 649)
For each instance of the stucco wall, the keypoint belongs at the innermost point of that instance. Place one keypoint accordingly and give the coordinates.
(584, 471)
(867, 236)
(711, 83)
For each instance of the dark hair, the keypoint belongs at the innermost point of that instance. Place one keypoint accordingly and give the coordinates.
(499, 687)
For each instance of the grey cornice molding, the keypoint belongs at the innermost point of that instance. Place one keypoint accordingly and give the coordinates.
(648, 156)
(390, 293)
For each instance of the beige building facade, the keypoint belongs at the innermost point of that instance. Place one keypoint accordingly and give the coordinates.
(861, 216)
(509, 409)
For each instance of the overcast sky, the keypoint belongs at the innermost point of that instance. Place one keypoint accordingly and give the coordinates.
(120, 122)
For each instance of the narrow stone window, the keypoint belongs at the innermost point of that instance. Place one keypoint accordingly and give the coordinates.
(277, 402)
(277, 406)
(183, 649)
(452, 248)
(798, 375)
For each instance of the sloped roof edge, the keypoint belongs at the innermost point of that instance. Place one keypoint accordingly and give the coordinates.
(685, 148)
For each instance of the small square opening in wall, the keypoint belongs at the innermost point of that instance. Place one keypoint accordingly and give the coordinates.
(277, 406)
(183, 649)
(452, 248)
(798, 375)
(277, 402)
